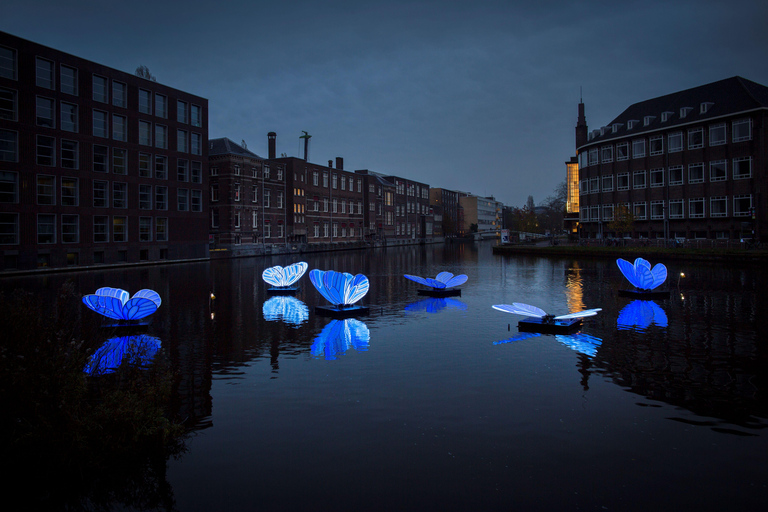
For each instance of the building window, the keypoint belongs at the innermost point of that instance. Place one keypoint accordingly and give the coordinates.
(196, 115)
(145, 165)
(161, 136)
(181, 141)
(214, 171)
(44, 73)
(696, 138)
(70, 192)
(181, 112)
(606, 154)
(742, 130)
(145, 101)
(68, 80)
(334, 181)
(676, 175)
(119, 229)
(657, 210)
(657, 177)
(254, 194)
(638, 148)
(161, 197)
(100, 194)
(607, 212)
(46, 228)
(100, 124)
(161, 106)
(742, 205)
(8, 104)
(594, 185)
(196, 199)
(145, 229)
(182, 200)
(696, 208)
(593, 156)
(69, 117)
(676, 209)
(119, 127)
(718, 206)
(717, 134)
(196, 143)
(7, 63)
(742, 168)
(46, 189)
(267, 229)
(9, 187)
(280, 200)
(100, 229)
(119, 195)
(44, 111)
(119, 161)
(196, 172)
(9, 227)
(145, 197)
(8, 146)
(100, 158)
(161, 167)
(70, 229)
(214, 192)
(237, 219)
(657, 145)
(675, 142)
(622, 181)
(236, 191)
(100, 89)
(182, 170)
(119, 94)
(718, 170)
(638, 179)
(696, 173)
(638, 210)
(214, 217)
(622, 151)
(145, 133)
(267, 197)
(46, 150)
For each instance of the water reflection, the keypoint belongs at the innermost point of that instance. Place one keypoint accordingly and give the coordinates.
(435, 305)
(288, 309)
(339, 336)
(138, 349)
(580, 342)
(641, 314)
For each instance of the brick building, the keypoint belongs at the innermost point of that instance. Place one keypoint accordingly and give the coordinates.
(97, 166)
(688, 165)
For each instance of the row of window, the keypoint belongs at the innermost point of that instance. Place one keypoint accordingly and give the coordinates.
(238, 195)
(741, 130)
(675, 175)
(52, 228)
(741, 206)
(266, 173)
(337, 182)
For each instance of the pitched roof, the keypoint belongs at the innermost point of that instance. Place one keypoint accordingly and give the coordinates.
(722, 98)
(224, 146)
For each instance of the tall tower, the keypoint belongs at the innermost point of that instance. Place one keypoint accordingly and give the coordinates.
(581, 127)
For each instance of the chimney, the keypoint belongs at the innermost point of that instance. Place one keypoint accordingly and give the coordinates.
(330, 164)
(271, 136)
(339, 163)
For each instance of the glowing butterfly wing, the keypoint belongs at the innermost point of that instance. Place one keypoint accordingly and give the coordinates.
(644, 278)
(417, 279)
(355, 289)
(642, 263)
(117, 293)
(317, 278)
(274, 276)
(628, 270)
(456, 281)
(434, 283)
(149, 294)
(659, 274)
(137, 308)
(294, 272)
(444, 277)
(518, 308)
(111, 307)
(335, 283)
(579, 314)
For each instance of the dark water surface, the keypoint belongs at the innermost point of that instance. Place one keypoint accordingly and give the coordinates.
(433, 414)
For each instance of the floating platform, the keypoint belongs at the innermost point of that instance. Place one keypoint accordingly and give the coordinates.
(128, 326)
(645, 294)
(284, 290)
(438, 292)
(341, 312)
(549, 325)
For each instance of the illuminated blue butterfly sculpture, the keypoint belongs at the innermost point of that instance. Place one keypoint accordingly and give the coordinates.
(115, 303)
(442, 281)
(339, 336)
(283, 277)
(138, 349)
(641, 314)
(519, 308)
(582, 343)
(340, 288)
(641, 275)
(289, 309)
(435, 305)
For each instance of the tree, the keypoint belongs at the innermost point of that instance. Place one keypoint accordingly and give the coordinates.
(623, 220)
(554, 209)
(143, 72)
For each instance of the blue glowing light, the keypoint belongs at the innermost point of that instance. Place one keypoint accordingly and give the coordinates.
(114, 303)
(288, 309)
(441, 281)
(282, 277)
(137, 349)
(435, 305)
(340, 289)
(640, 314)
(582, 343)
(518, 308)
(339, 336)
(640, 274)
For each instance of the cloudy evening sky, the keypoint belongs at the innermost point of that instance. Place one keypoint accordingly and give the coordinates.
(479, 96)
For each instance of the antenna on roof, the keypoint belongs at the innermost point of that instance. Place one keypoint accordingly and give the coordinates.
(581, 96)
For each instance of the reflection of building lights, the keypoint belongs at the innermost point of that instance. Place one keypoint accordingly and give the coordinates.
(213, 315)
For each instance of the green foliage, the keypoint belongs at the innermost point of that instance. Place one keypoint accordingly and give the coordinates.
(623, 221)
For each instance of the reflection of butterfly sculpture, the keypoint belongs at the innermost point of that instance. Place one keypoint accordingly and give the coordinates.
(641, 314)
(114, 303)
(641, 275)
(282, 277)
(140, 350)
(580, 342)
(340, 335)
(340, 289)
(435, 305)
(519, 308)
(289, 309)
(442, 280)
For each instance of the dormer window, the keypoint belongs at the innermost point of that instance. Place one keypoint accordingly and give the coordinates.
(602, 130)
(631, 123)
(684, 111)
(648, 120)
(616, 126)
(665, 116)
(704, 107)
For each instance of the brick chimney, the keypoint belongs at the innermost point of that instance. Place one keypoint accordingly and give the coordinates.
(339, 163)
(271, 136)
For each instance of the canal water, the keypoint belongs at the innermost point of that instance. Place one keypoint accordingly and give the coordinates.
(429, 404)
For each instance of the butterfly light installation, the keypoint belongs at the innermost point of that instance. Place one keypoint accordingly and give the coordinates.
(641, 314)
(115, 303)
(641, 275)
(340, 288)
(282, 277)
(340, 335)
(583, 343)
(441, 281)
(289, 309)
(519, 308)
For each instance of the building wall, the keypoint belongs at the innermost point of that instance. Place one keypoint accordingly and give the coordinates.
(90, 176)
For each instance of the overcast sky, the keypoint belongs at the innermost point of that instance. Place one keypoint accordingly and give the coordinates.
(478, 96)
